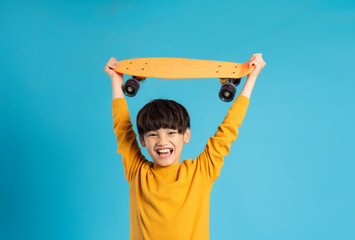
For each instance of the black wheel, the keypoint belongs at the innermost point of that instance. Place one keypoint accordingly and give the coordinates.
(236, 81)
(228, 88)
(227, 92)
(131, 87)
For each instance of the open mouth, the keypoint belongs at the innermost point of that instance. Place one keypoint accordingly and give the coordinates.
(164, 152)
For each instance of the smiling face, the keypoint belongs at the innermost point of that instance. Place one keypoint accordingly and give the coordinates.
(165, 145)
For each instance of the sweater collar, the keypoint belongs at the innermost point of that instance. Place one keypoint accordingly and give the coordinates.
(166, 168)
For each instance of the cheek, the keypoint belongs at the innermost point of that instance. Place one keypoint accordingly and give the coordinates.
(179, 143)
(149, 145)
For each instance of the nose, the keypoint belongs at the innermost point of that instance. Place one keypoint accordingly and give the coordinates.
(163, 140)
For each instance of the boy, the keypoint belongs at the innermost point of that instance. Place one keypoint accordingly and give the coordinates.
(169, 200)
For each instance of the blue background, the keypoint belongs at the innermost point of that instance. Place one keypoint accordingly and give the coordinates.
(290, 174)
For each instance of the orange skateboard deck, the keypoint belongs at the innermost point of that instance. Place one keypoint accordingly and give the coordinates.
(229, 73)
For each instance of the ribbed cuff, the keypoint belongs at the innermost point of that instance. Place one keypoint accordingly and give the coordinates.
(242, 100)
(239, 108)
(117, 101)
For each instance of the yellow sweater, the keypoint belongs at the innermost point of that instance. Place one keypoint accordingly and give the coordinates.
(172, 203)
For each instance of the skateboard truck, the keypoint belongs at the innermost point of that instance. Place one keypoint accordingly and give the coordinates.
(228, 88)
(131, 87)
(226, 94)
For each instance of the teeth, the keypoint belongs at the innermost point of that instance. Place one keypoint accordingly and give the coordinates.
(163, 151)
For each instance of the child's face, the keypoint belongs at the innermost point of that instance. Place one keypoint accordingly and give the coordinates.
(165, 145)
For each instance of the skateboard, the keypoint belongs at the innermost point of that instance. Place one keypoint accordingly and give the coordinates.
(229, 73)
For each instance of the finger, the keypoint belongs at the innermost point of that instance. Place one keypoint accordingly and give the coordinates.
(259, 59)
(255, 63)
(108, 68)
(113, 64)
(251, 63)
(256, 55)
(112, 60)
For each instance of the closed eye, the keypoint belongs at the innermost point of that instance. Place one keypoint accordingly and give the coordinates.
(172, 133)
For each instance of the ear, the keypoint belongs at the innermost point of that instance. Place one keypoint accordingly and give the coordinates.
(141, 139)
(187, 135)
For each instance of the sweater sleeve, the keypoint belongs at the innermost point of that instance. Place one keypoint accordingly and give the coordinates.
(132, 158)
(212, 158)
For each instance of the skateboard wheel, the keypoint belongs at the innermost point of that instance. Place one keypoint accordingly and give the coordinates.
(131, 87)
(236, 81)
(227, 92)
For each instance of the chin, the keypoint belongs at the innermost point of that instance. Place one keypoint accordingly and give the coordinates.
(165, 163)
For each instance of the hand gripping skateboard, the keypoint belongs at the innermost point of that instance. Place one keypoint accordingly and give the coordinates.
(229, 73)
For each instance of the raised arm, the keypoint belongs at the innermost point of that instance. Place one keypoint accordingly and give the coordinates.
(116, 78)
(212, 158)
(128, 147)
